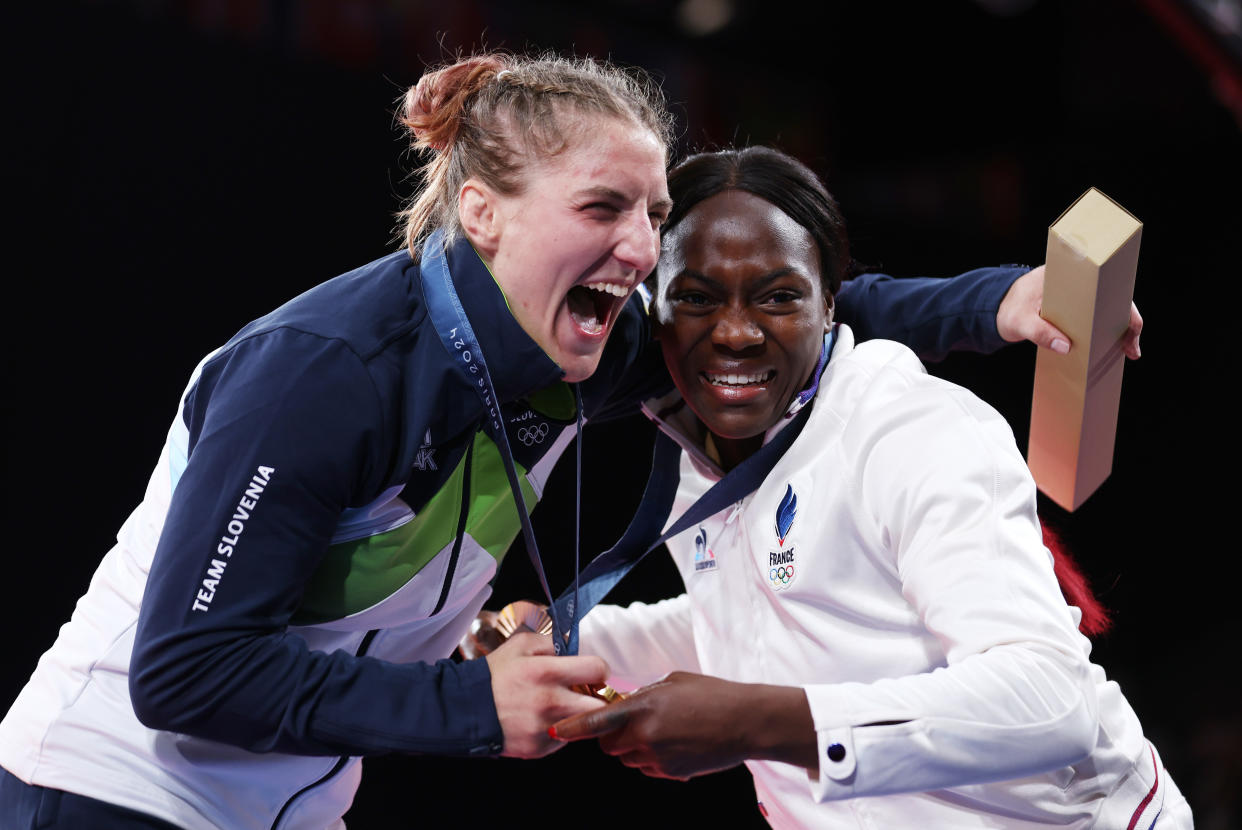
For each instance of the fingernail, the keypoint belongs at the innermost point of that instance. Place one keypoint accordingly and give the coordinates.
(1059, 346)
(552, 733)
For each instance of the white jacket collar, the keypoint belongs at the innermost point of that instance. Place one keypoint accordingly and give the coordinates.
(677, 421)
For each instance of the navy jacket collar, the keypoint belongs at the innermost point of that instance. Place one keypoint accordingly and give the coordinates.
(517, 364)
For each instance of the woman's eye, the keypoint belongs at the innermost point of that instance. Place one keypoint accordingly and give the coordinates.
(602, 210)
(694, 298)
(780, 297)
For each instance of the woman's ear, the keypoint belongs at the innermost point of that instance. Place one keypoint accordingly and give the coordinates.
(829, 307)
(479, 214)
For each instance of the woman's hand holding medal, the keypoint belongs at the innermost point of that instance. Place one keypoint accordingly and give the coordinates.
(532, 687)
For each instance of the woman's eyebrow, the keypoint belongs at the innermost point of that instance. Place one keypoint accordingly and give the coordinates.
(601, 192)
(760, 283)
(611, 194)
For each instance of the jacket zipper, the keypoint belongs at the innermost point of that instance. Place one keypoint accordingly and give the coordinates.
(366, 641)
(461, 530)
(340, 762)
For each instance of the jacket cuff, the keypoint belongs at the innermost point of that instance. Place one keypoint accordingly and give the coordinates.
(838, 711)
(473, 697)
(990, 297)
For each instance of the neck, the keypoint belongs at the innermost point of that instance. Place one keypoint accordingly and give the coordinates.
(729, 452)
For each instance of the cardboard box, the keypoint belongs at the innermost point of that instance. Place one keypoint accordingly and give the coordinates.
(1088, 287)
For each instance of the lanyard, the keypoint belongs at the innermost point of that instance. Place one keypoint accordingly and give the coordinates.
(451, 324)
(607, 569)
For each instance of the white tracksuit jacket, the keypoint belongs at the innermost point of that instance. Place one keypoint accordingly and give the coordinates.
(905, 579)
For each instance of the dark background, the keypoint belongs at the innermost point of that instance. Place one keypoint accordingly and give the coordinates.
(174, 169)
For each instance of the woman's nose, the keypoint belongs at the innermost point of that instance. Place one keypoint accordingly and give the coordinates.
(639, 246)
(736, 330)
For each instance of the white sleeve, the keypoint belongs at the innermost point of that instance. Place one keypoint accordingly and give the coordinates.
(940, 483)
(641, 643)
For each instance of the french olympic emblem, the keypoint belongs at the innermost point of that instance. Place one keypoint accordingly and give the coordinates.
(785, 512)
(781, 570)
(533, 435)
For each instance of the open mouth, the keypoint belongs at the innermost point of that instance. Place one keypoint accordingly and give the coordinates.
(593, 307)
(739, 380)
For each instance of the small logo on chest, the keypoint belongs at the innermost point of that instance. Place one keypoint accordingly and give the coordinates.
(704, 559)
(426, 458)
(533, 434)
(781, 570)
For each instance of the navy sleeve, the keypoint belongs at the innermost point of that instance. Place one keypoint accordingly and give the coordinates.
(286, 430)
(931, 316)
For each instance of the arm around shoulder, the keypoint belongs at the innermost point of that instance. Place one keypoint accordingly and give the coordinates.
(931, 316)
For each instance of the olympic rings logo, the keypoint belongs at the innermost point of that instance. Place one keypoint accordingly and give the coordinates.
(781, 576)
(533, 435)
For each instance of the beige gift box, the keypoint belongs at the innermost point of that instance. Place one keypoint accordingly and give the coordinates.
(1088, 287)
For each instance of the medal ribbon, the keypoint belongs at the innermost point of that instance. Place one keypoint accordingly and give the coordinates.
(607, 569)
(451, 324)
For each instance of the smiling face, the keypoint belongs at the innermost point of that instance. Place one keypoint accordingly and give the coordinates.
(742, 315)
(582, 233)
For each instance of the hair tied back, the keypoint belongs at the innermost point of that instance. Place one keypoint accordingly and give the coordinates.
(433, 107)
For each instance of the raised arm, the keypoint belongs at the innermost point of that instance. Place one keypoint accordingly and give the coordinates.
(980, 310)
(931, 316)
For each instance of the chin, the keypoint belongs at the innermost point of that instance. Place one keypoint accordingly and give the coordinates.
(736, 428)
(733, 432)
(578, 368)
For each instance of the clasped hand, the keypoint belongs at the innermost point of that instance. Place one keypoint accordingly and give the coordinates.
(690, 724)
(533, 688)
